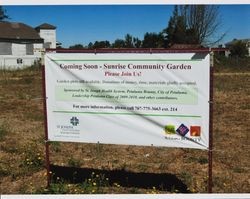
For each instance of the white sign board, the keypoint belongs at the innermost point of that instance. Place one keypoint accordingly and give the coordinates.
(159, 99)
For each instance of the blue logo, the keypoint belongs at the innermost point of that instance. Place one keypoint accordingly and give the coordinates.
(182, 130)
(74, 121)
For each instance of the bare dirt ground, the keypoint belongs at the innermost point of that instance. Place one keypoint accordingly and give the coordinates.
(22, 164)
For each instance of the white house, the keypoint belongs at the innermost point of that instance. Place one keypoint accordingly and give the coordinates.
(48, 33)
(22, 45)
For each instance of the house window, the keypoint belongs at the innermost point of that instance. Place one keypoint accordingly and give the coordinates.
(47, 44)
(29, 49)
(5, 48)
(19, 61)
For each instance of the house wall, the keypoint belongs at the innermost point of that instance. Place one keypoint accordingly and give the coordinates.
(20, 55)
(38, 49)
(5, 48)
(17, 62)
(49, 37)
(248, 47)
(18, 49)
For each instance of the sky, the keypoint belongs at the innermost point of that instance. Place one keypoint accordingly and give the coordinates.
(81, 24)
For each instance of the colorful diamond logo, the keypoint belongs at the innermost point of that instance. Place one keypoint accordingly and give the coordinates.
(195, 131)
(182, 130)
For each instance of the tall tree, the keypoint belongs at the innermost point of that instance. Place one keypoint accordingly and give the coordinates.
(90, 45)
(101, 44)
(137, 42)
(77, 46)
(203, 20)
(180, 31)
(129, 41)
(238, 49)
(118, 43)
(153, 40)
(3, 14)
(193, 24)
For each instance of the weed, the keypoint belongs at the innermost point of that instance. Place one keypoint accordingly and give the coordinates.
(4, 171)
(187, 177)
(174, 190)
(55, 146)
(163, 166)
(153, 191)
(202, 160)
(28, 80)
(238, 170)
(35, 116)
(3, 131)
(245, 106)
(133, 190)
(191, 159)
(95, 183)
(32, 158)
(142, 167)
(55, 188)
(123, 166)
(72, 162)
(10, 148)
(98, 150)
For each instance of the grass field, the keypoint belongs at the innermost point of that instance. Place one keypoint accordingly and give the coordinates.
(97, 168)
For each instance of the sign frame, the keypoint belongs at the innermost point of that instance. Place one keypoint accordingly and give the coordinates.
(136, 50)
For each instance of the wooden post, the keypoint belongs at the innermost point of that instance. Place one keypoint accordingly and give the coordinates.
(210, 150)
(46, 128)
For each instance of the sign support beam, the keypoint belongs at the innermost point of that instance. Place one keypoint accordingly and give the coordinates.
(210, 149)
(46, 128)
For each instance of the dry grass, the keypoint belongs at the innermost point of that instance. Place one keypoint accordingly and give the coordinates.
(22, 161)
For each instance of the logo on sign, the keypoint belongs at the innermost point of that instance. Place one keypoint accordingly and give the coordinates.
(74, 121)
(182, 130)
(195, 131)
(169, 129)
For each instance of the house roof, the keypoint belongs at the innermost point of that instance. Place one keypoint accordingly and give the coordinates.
(17, 31)
(45, 26)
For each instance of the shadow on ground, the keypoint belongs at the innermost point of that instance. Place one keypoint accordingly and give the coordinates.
(165, 181)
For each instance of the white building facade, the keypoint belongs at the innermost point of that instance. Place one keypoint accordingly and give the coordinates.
(22, 46)
(48, 33)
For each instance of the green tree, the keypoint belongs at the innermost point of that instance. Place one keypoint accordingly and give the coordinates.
(193, 24)
(153, 40)
(3, 14)
(137, 42)
(90, 45)
(77, 46)
(180, 31)
(129, 41)
(101, 44)
(118, 43)
(238, 49)
(171, 29)
(204, 20)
